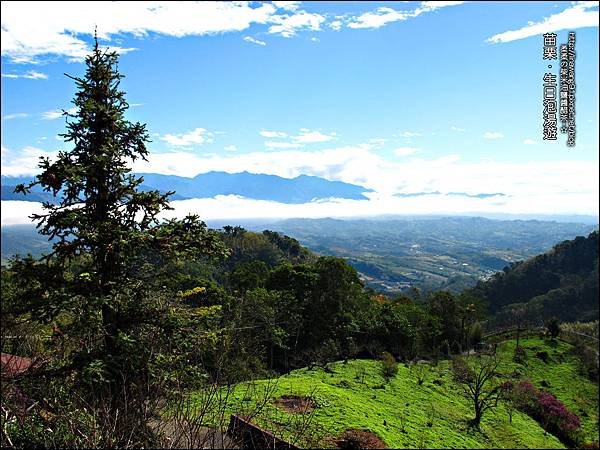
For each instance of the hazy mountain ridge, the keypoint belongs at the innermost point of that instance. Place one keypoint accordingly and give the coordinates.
(301, 189)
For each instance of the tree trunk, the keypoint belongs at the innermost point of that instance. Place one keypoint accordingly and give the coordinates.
(477, 419)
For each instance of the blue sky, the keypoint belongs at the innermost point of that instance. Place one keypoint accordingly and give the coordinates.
(397, 96)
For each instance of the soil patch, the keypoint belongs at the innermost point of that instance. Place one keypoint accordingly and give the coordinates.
(355, 439)
(296, 404)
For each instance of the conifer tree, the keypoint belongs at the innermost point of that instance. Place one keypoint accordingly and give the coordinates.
(98, 286)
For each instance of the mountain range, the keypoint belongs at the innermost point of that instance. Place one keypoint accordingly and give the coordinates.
(301, 189)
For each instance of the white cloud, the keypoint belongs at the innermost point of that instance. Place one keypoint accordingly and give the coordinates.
(377, 142)
(18, 212)
(378, 18)
(30, 75)
(384, 15)
(409, 134)
(453, 128)
(272, 134)
(230, 148)
(563, 186)
(365, 166)
(579, 15)
(52, 115)
(56, 113)
(254, 41)
(289, 5)
(15, 116)
(360, 165)
(405, 151)
(492, 135)
(236, 207)
(310, 137)
(432, 6)
(197, 136)
(274, 144)
(288, 25)
(529, 142)
(23, 162)
(304, 136)
(314, 39)
(336, 25)
(28, 34)
(58, 28)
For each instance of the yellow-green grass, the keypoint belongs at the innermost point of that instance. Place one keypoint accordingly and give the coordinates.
(435, 414)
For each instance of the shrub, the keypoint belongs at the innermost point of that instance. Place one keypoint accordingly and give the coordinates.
(544, 407)
(389, 366)
(543, 355)
(475, 334)
(556, 413)
(461, 369)
(588, 360)
(419, 370)
(520, 355)
(344, 384)
(553, 327)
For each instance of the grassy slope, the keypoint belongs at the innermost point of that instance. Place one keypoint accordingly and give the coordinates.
(356, 396)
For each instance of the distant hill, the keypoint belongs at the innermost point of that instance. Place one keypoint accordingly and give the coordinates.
(427, 252)
(562, 282)
(301, 189)
(36, 196)
(22, 239)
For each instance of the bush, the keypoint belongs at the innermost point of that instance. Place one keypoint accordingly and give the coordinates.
(461, 370)
(553, 327)
(544, 407)
(557, 414)
(419, 371)
(389, 366)
(520, 355)
(475, 334)
(543, 355)
(588, 360)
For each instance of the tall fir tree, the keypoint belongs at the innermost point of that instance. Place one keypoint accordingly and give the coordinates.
(98, 286)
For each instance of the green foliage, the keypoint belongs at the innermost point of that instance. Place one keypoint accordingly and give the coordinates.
(389, 366)
(588, 359)
(419, 370)
(562, 283)
(101, 278)
(345, 402)
(248, 275)
(585, 328)
(475, 333)
(553, 327)
(520, 355)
